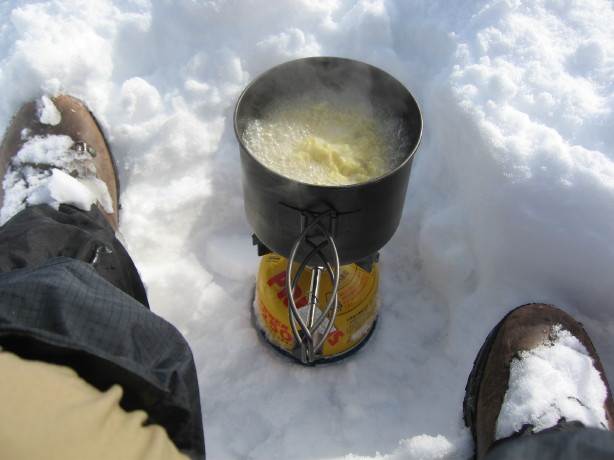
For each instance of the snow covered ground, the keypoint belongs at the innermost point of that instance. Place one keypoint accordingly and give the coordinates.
(511, 198)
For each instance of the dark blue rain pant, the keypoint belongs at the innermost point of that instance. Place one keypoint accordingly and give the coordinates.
(578, 443)
(71, 295)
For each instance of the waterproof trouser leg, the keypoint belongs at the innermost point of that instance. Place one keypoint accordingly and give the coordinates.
(70, 295)
(578, 443)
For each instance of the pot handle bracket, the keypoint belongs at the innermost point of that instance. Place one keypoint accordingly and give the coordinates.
(311, 319)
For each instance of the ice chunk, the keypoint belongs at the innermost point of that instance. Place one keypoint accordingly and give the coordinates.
(46, 150)
(48, 113)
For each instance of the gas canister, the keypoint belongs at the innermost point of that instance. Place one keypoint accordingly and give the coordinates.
(354, 322)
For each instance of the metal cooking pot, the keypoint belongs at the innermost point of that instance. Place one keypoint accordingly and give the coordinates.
(361, 218)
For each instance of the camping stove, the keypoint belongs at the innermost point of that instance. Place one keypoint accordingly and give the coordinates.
(321, 243)
(333, 309)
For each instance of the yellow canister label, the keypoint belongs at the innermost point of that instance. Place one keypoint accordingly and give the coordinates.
(357, 311)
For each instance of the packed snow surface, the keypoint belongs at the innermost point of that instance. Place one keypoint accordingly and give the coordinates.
(511, 197)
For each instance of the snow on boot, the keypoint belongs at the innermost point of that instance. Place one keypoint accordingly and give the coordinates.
(538, 370)
(54, 153)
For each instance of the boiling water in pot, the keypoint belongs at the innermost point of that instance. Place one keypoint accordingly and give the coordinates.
(326, 138)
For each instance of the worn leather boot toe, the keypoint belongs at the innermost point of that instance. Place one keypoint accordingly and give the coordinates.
(63, 116)
(523, 329)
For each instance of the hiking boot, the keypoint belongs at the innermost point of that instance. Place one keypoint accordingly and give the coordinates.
(520, 384)
(54, 152)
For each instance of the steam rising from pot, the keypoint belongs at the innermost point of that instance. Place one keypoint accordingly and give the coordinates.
(327, 137)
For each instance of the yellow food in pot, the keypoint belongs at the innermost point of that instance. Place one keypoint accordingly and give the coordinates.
(326, 141)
